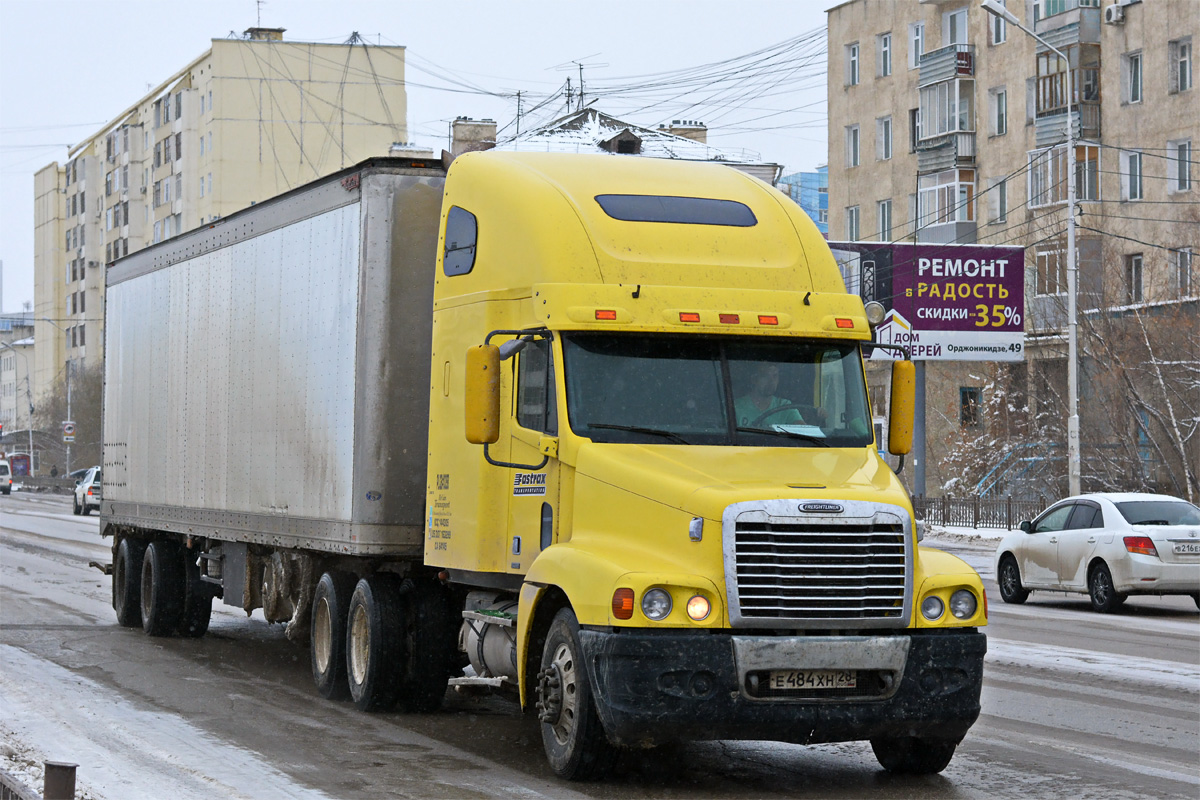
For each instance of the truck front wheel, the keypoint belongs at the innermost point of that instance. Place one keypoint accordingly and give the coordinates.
(163, 590)
(576, 745)
(127, 582)
(374, 642)
(327, 640)
(909, 755)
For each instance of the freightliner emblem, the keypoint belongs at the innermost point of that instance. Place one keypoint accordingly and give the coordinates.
(821, 508)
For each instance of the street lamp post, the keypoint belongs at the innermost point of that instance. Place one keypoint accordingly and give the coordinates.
(1073, 466)
(64, 331)
(28, 398)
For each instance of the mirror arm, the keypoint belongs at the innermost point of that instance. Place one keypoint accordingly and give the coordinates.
(511, 348)
(531, 467)
(899, 466)
(901, 348)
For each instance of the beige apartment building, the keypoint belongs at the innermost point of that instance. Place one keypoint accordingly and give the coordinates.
(948, 125)
(248, 119)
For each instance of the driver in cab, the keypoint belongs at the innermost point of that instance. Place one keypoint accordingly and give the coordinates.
(754, 408)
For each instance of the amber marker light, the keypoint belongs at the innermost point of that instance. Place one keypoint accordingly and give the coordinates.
(730, 319)
(698, 608)
(1141, 544)
(768, 319)
(842, 322)
(689, 316)
(606, 313)
(622, 606)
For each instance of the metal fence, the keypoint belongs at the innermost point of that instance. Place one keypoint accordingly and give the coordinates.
(977, 512)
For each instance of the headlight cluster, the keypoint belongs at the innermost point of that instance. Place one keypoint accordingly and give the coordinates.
(657, 605)
(962, 605)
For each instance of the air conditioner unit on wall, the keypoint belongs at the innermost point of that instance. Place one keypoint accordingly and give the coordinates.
(1114, 14)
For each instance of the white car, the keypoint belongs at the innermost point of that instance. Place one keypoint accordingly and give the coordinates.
(5, 477)
(87, 492)
(1107, 545)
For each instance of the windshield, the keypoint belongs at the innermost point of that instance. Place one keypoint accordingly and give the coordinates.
(715, 390)
(1159, 512)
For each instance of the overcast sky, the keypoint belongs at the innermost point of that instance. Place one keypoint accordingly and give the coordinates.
(67, 68)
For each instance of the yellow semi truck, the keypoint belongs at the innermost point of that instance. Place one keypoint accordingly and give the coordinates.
(592, 430)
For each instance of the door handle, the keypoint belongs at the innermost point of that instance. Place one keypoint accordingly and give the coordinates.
(1091, 540)
(1053, 540)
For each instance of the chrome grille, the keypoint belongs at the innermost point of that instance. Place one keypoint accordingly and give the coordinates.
(826, 571)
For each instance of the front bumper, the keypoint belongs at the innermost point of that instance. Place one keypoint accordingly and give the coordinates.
(652, 688)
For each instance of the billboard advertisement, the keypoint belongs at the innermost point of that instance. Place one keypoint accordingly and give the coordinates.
(945, 302)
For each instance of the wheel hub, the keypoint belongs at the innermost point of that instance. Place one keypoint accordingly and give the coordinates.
(550, 695)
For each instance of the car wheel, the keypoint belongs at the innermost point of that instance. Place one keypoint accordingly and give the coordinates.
(1105, 598)
(127, 582)
(87, 510)
(375, 642)
(75, 509)
(910, 755)
(327, 639)
(575, 743)
(163, 589)
(1011, 590)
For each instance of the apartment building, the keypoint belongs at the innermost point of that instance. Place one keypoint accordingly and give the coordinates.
(948, 125)
(248, 119)
(810, 190)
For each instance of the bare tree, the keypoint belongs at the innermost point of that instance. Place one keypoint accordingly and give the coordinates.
(87, 391)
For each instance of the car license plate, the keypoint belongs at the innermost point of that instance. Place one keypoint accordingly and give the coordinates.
(1188, 547)
(784, 679)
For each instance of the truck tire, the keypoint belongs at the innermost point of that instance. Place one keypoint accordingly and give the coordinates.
(1011, 589)
(1105, 598)
(327, 639)
(163, 588)
(197, 599)
(375, 642)
(909, 755)
(127, 582)
(430, 641)
(575, 743)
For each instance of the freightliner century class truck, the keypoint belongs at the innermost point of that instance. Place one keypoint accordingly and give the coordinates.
(590, 429)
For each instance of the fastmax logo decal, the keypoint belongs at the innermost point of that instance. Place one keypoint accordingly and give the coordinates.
(821, 508)
(528, 483)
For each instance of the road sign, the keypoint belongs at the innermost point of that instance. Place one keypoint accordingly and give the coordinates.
(68, 432)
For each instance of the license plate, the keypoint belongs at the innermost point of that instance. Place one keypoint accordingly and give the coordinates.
(785, 679)
(1187, 547)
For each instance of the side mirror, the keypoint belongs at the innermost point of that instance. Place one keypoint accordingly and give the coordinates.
(482, 401)
(1027, 526)
(904, 400)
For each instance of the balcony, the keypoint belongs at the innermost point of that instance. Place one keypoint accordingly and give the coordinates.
(944, 151)
(955, 61)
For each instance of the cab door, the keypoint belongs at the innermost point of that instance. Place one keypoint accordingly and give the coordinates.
(1039, 555)
(533, 487)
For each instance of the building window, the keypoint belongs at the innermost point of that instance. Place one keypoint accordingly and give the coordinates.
(914, 129)
(852, 64)
(884, 54)
(1179, 166)
(1051, 277)
(823, 216)
(883, 138)
(946, 197)
(201, 144)
(968, 405)
(999, 27)
(852, 223)
(1133, 278)
(998, 111)
(1048, 175)
(916, 44)
(946, 107)
(851, 145)
(1131, 176)
(1131, 77)
(954, 27)
(883, 212)
(1180, 64)
(1182, 259)
(997, 200)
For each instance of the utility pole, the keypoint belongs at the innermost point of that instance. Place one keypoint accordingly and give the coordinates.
(568, 95)
(580, 85)
(518, 113)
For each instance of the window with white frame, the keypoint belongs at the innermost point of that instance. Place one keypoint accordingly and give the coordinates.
(947, 106)
(852, 59)
(1133, 278)
(999, 27)
(1180, 55)
(1050, 272)
(852, 158)
(852, 223)
(823, 216)
(997, 200)
(883, 138)
(883, 213)
(1181, 260)
(946, 197)
(1048, 175)
(1131, 175)
(954, 27)
(1179, 166)
(883, 54)
(916, 44)
(998, 110)
(1131, 77)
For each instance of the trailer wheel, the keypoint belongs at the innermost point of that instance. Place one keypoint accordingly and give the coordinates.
(163, 588)
(197, 598)
(327, 640)
(430, 641)
(375, 642)
(127, 582)
(909, 755)
(576, 745)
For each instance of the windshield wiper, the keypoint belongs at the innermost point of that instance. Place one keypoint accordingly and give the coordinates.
(818, 440)
(674, 437)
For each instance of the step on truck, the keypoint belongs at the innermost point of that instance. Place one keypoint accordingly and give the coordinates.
(590, 430)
